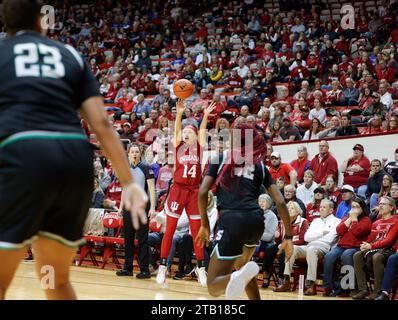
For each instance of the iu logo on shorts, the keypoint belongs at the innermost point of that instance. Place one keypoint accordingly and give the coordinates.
(174, 206)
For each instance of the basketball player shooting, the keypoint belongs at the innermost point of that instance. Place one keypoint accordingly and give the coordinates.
(241, 222)
(183, 194)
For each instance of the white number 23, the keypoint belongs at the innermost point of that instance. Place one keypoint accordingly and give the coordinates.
(27, 62)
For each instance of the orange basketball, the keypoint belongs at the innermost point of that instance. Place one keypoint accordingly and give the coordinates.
(183, 88)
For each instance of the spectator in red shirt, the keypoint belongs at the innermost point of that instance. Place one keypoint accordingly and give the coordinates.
(147, 136)
(342, 45)
(382, 236)
(323, 164)
(114, 193)
(233, 82)
(299, 226)
(352, 230)
(375, 125)
(313, 208)
(135, 122)
(165, 175)
(300, 73)
(279, 169)
(384, 72)
(304, 123)
(332, 192)
(219, 108)
(301, 164)
(128, 104)
(356, 170)
(393, 36)
(154, 116)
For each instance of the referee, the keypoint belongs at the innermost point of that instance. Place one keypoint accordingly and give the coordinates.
(46, 161)
(143, 176)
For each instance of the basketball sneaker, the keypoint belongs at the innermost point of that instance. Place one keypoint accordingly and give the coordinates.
(202, 276)
(161, 276)
(240, 279)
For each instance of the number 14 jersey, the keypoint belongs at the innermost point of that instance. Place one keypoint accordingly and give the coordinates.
(188, 164)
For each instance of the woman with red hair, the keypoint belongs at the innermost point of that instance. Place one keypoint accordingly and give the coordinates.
(239, 175)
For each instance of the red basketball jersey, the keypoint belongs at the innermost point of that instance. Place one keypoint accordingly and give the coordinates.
(188, 165)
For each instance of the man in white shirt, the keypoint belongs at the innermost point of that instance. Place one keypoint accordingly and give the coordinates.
(320, 237)
(200, 56)
(385, 96)
(305, 192)
(242, 69)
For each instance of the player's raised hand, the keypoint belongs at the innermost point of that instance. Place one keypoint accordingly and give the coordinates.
(180, 106)
(287, 246)
(134, 200)
(209, 109)
(203, 237)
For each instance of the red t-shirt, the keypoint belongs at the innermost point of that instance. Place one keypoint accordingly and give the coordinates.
(356, 179)
(335, 197)
(164, 177)
(114, 192)
(283, 171)
(300, 166)
(383, 233)
(394, 35)
(353, 236)
(312, 212)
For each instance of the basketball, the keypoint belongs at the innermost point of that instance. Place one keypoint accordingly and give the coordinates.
(183, 88)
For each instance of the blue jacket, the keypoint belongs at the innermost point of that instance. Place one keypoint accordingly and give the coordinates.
(342, 210)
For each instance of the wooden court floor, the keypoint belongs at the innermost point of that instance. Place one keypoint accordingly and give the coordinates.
(96, 284)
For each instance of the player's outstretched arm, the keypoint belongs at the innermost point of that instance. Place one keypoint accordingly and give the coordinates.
(203, 236)
(287, 244)
(178, 125)
(134, 198)
(203, 125)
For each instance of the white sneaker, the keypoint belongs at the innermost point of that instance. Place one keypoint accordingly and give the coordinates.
(240, 279)
(202, 276)
(161, 276)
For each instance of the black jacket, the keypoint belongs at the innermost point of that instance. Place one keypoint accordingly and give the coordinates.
(349, 131)
(374, 183)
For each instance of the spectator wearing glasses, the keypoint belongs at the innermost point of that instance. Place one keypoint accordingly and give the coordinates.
(279, 169)
(352, 231)
(289, 194)
(375, 251)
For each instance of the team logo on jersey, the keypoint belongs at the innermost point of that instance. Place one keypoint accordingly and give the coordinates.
(174, 206)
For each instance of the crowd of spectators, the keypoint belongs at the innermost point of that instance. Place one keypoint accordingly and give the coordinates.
(291, 74)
